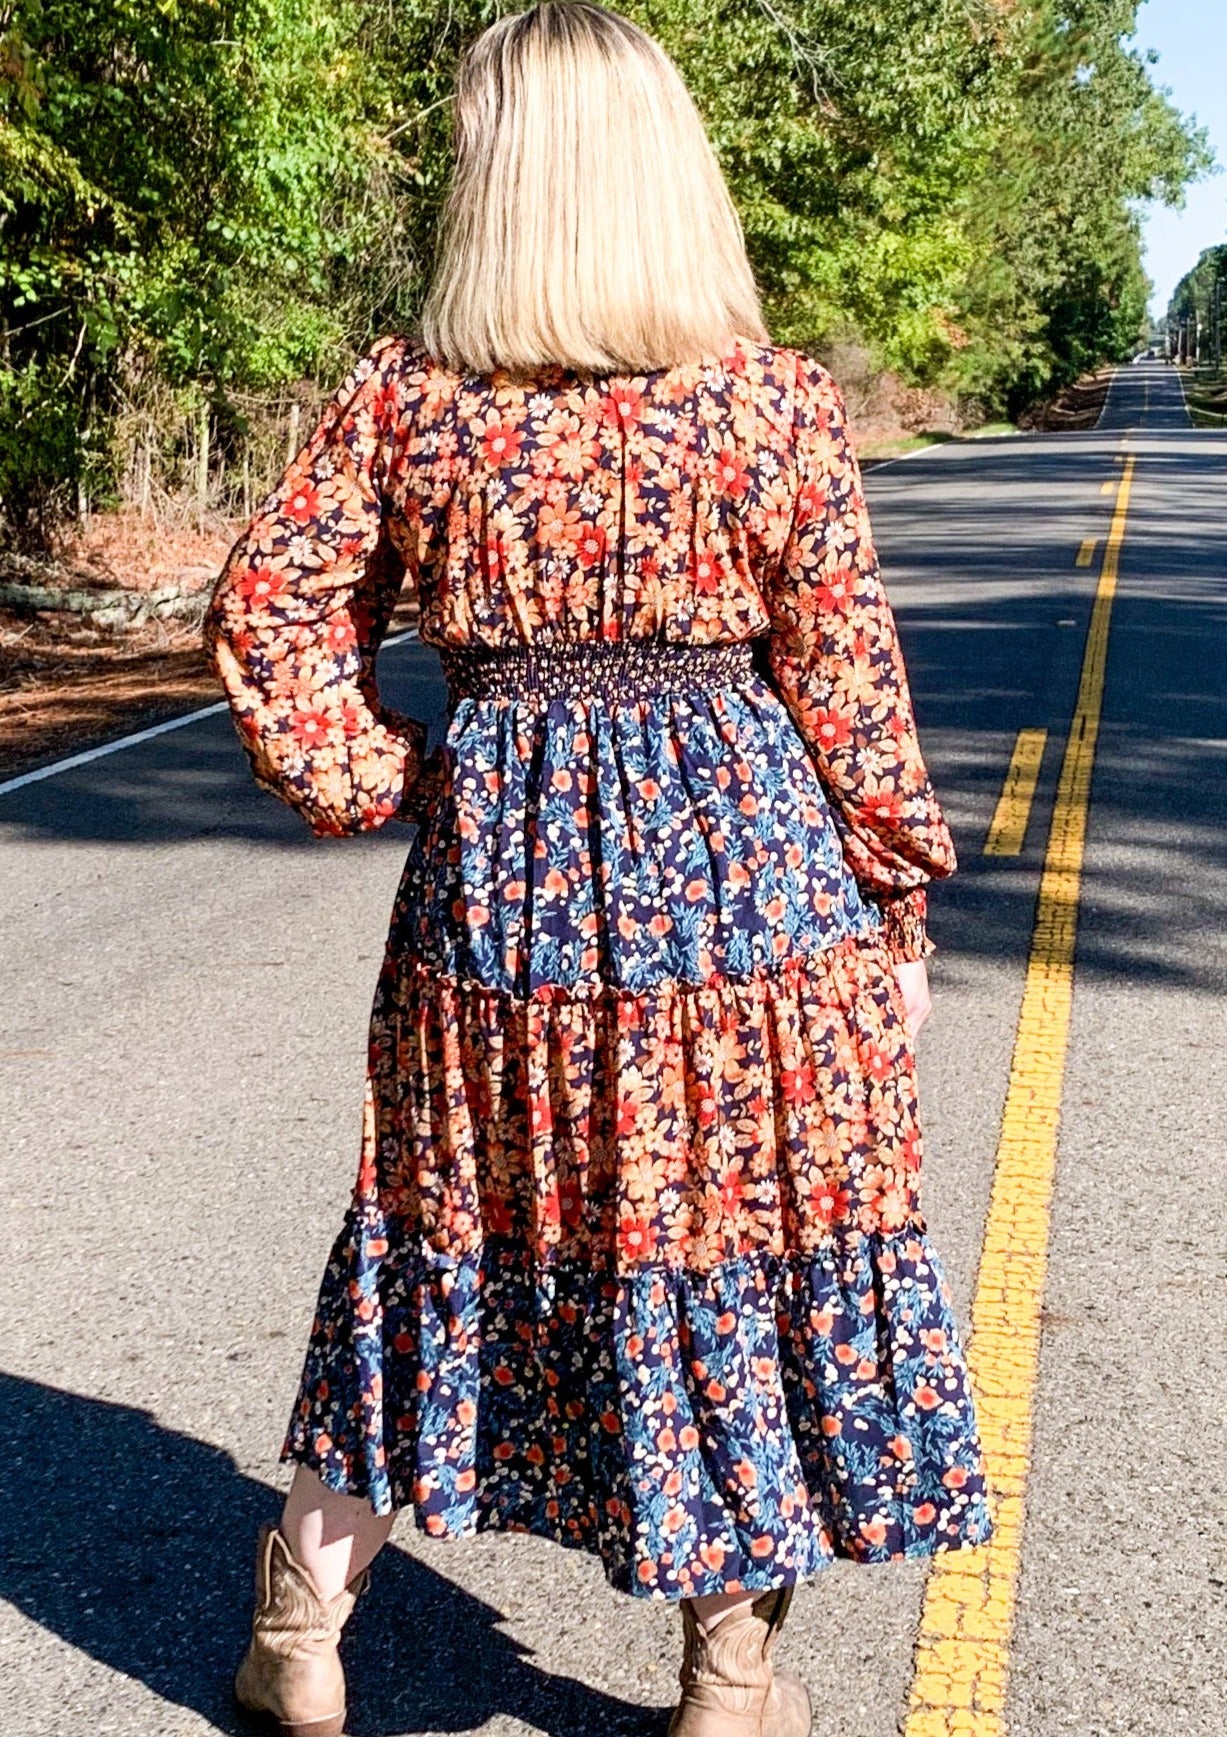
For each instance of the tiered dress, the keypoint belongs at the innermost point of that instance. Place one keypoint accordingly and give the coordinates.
(635, 1259)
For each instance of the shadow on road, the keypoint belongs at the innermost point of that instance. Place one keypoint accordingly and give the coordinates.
(194, 783)
(134, 1544)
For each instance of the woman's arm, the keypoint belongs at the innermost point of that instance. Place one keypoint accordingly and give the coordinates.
(301, 607)
(835, 657)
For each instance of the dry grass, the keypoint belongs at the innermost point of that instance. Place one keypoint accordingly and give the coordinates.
(140, 552)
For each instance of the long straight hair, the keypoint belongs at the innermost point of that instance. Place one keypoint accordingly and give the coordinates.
(588, 225)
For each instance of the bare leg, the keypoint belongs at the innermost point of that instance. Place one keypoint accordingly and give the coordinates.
(333, 1537)
(711, 1609)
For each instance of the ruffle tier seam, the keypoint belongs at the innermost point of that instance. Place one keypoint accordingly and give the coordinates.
(819, 962)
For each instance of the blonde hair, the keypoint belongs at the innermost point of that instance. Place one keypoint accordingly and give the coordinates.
(588, 224)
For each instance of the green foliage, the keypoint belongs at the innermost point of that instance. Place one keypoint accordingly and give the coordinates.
(1198, 305)
(1083, 139)
(204, 201)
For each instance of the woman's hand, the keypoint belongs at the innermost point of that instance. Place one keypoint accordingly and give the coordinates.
(913, 979)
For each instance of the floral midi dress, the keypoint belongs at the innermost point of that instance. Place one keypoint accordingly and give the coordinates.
(635, 1259)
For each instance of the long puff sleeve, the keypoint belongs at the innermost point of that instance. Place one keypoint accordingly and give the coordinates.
(299, 612)
(834, 655)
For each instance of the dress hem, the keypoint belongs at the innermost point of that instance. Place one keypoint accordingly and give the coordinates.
(692, 1430)
(621, 1578)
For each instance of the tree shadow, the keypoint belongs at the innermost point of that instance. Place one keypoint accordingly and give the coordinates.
(135, 1544)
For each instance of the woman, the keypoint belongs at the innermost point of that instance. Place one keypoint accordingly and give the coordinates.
(635, 1259)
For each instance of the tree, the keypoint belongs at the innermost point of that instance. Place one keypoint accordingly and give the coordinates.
(1197, 305)
(1083, 136)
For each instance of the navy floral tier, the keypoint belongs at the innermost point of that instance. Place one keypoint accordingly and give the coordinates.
(737, 1428)
(636, 1259)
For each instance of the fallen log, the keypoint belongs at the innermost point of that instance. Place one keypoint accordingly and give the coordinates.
(109, 607)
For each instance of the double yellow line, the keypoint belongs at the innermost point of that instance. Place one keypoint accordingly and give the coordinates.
(962, 1652)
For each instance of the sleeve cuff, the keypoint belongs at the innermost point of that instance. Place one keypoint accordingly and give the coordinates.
(903, 926)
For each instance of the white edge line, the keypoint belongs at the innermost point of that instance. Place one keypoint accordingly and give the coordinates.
(872, 465)
(131, 741)
(1184, 397)
(876, 464)
(1117, 371)
(110, 748)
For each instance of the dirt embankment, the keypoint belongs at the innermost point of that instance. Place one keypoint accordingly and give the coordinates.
(1074, 409)
(123, 649)
(73, 678)
(62, 693)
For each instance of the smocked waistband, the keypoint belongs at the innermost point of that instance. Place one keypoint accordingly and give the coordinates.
(614, 671)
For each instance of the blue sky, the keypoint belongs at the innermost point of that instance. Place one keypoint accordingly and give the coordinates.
(1191, 37)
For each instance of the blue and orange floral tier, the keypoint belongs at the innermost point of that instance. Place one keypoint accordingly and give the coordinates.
(636, 1258)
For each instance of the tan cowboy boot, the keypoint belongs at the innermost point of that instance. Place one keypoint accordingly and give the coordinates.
(292, 1671)
(729, 1686)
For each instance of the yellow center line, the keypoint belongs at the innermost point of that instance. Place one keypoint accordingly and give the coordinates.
(962, 1649)
(1008, 828)
(1086, 551)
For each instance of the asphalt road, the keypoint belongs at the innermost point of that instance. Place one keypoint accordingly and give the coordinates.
(184, 986)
